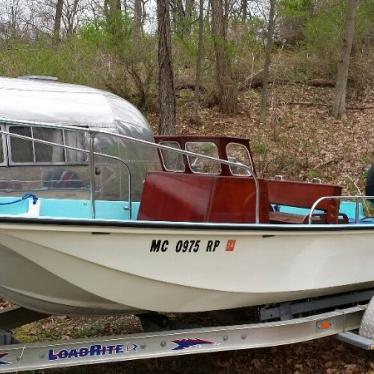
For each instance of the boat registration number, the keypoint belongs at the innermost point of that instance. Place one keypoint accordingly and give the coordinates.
(184, 246)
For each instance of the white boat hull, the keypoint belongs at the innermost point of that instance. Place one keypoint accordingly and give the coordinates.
(90, 269)
(46, 292)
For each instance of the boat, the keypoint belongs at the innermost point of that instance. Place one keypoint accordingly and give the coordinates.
(98, 216)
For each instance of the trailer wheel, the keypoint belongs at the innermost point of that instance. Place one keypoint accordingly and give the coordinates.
(367, 322)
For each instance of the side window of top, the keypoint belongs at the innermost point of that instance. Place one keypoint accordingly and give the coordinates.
(45, 152)
(21, 150)
(26, 151)
(238, 153)
(172, 161)
(79, 140)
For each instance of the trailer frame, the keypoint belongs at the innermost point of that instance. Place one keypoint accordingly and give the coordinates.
(21, 357)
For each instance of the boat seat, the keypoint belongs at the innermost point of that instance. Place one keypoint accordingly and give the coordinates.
(289, 218)
(304, 195)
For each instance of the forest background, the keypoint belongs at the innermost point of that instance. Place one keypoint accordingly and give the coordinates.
(296, 77)
(278, 72)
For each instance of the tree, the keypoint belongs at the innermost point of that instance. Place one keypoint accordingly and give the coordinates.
(198, 64)
(182, 17)
(57, 21)
(227, 90)
(245, 10)
(113, 16)
(268, 50)
(343, 64)
(165, 71)
(293, 18)
(70, 16)
(138, 15)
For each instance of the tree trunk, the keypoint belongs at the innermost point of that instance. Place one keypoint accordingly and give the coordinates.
(14, 24)
(57, 21)
(245, 10)
(165, 71)
(125, 7)
(188, 17)
(268, 50)
(178, 16)
(70, 18)
(226, 8)
(343, 64)
(182, 17)
(227, 90)
(113, 15)
(198, 64)
(138, 16)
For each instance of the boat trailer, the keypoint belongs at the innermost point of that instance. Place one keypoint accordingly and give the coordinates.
(348, 317)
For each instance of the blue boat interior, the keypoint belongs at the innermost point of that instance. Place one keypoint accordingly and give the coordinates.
(29, 205)
(67, 208)
(346, 207)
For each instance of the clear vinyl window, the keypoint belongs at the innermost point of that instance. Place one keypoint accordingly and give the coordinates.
(45, 152)
(22, 150)
(202, 165)
(238, 153)
(77, 140)
(172, 161)
(27, 151)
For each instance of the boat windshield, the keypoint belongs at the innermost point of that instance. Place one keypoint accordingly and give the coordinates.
(201, 165)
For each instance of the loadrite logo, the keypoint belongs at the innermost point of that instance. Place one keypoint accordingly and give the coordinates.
(1, 361)
(93, 350)
(187, 343)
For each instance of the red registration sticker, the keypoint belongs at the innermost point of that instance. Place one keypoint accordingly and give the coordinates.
(230, 246)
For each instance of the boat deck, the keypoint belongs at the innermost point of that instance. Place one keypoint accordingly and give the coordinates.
(67, 208)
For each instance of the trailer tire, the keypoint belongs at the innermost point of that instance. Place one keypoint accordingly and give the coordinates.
(367, 322)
